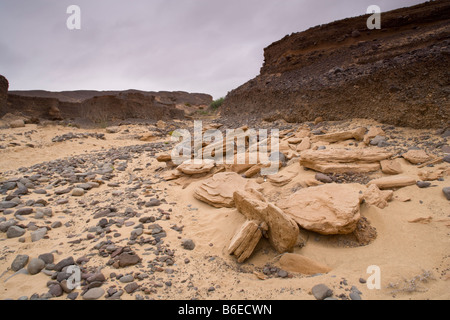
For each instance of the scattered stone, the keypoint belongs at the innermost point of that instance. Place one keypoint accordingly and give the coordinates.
(323, 178)
(446, 192)
(8, 204)
(72, 296)
(19, 262)
(127, 259)
(188, 244)
(15, 232)
(78, 192)
(423, 184)
(48, 258)
(131, 287)
(24, 211)
(64, 263)
(62, 190)
(35, 266)
(94, 294)
(321, 292)
(127, 279)
(56, 290)
(38, 234)
(56, 224)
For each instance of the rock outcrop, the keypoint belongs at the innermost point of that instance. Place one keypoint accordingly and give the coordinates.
(101, 107)
(3, 94)
(395, 75)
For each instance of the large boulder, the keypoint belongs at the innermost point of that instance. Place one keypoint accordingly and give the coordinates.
(327, 209)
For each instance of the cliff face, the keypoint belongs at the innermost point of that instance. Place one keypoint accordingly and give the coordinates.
(397, 75)
(3, 92)
(102, 106)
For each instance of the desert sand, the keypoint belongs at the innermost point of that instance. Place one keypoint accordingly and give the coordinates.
(411, 249)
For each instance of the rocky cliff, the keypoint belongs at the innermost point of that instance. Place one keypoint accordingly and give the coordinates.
(3, 92)
(101, 106)
(398, 75)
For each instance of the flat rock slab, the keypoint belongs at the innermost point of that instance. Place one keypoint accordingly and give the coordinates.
(393, 182)
(327, 209)
(417, 156)
(357, 134)
(301, 264)
(218, 190)
(191, 168)
(342, 160)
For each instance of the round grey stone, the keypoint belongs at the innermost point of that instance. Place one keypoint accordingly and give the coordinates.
(94, 294)
(321, 292)
(35, 266)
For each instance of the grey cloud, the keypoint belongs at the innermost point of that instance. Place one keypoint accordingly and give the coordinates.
(193, 45)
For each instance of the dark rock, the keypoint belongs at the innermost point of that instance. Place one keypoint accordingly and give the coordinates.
(72, 295)
(64, 263)
(323, 178)
(188, 244)
(19, 262)
(94, 294)
(47, 258)
(321, 292)
(423, 184)
(8, 204)
(153, 203)
(447, 158)
(446, 192)
(131, 287)
(126, 259)
(56, 290)
(15, 232)
(4, 226)
(56, 224)
(98, 277)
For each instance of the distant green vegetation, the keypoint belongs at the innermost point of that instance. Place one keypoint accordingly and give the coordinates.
(217, 103)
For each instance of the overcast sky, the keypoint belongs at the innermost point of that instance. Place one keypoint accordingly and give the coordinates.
(210, 46)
